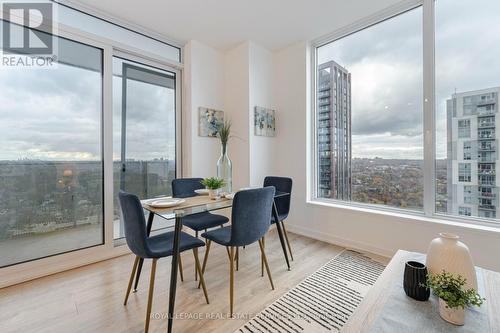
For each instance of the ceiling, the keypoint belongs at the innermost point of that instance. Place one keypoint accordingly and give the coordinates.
(223, 24)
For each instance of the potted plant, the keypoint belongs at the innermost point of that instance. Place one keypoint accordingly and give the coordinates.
(213, 184)
(453, 297)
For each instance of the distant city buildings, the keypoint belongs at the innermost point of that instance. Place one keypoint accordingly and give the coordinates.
(334, 131)
(472, 153)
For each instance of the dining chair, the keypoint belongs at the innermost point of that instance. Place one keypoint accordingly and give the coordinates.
(249, 223)
(185, 188)
(154, 247)
(281, 184)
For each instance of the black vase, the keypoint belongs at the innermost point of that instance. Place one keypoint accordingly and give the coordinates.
(416, 275)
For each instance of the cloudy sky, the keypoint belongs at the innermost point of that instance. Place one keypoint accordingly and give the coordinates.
(385, 62)
(55, 114)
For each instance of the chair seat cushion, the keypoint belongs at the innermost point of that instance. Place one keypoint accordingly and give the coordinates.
(162, 245)
(220, 236)
(281, 217)
(202, 221)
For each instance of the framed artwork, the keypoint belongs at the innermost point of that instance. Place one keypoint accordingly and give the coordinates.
(210, 121)
(264, 121)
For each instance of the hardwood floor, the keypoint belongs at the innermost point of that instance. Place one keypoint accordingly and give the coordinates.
(90, 298)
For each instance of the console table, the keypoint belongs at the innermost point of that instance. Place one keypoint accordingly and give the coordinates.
(364, 318)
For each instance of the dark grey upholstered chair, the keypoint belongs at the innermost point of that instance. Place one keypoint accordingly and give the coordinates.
(281, 184)
(154, 247)
(184, 188)
(249, 223)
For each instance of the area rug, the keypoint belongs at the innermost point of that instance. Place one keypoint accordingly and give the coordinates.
(324, 301)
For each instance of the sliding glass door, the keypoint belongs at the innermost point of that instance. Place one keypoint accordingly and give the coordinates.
(144, 132)
(51, 164)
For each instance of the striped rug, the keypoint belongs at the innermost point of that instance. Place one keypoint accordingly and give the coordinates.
(322, 302)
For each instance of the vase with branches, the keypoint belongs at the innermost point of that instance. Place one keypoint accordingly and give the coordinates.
(224, 165)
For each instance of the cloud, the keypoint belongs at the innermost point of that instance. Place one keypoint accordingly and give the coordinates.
(55, 114)
(385, 62)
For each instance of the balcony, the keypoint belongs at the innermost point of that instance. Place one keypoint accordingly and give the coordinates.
(489, 158)
(486, 124)
(484, 110)
(489, 135)
(486, 172)
(487, 207)
(487, 147)
(486, 182)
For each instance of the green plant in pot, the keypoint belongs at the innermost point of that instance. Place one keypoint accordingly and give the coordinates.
(213, 184)
(453, 297)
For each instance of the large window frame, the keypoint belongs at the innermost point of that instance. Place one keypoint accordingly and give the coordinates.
(25, 271)
(429, 116)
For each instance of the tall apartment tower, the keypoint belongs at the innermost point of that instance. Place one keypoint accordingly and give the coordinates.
(334, 131)
(473, 122)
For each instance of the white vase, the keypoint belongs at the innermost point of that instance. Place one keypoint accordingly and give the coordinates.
(456, 316)
(448, 253)
(212, 194)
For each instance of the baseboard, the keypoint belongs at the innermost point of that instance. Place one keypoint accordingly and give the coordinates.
(343, 242)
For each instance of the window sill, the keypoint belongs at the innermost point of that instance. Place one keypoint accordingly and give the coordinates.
(471, 224)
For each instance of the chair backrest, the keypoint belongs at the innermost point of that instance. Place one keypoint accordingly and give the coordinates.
(184, 187)
(135, 223)
(282, 184)
(250, 218)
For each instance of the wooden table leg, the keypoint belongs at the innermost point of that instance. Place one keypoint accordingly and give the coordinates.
(280, 234)
(141, 260)
(173, 273)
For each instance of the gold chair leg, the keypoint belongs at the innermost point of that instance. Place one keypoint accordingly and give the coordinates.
(198, 269)
(237, 258)
(287, 241)
(131, 280)
(227, 250)
(261, 259)
(231, 281)
(150, 297)
(265, 263)
(180, 268)
(205, 259)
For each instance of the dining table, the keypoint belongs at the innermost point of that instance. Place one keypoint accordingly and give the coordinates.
(194, 205)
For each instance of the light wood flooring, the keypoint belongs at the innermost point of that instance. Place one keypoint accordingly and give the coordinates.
(90, 298)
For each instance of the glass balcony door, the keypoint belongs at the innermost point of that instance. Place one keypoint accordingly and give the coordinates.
(144, 132)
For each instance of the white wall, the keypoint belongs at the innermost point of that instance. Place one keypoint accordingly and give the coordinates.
(234, 81)
(357, 228)
(262, 153)
(203, 86)
(236, 108)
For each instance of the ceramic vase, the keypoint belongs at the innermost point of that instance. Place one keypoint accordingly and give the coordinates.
(456, 316)
(212, 194)
(415, 276)
(449, 254)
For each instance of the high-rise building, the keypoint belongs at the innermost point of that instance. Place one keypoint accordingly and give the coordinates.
(334, 131)
(472, 153)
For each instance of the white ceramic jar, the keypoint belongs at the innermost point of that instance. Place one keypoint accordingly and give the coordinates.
(447, 253)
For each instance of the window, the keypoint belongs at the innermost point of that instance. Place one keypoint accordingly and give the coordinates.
(144, 134)
(51, 167)
(464, 172)
(370, 141)
(465, 211)
(464, 128)
(467, 150)
(468, 194)
(465, 91)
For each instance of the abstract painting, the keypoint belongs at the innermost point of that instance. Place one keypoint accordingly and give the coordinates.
(210, 121)
(265, 121)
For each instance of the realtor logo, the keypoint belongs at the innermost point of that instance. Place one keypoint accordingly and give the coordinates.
(27, 34)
